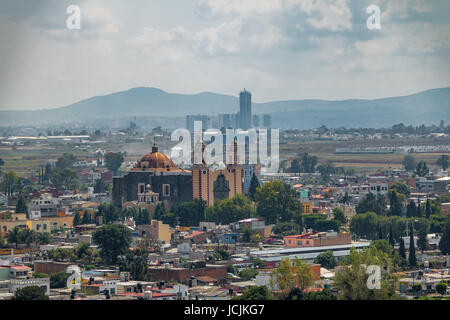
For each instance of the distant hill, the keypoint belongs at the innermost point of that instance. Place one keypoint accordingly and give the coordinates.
(425, 107)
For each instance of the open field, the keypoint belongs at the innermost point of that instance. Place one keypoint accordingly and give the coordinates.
(325, 151)
(27, 160)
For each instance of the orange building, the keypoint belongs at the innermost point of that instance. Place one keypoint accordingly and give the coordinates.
(317, 239)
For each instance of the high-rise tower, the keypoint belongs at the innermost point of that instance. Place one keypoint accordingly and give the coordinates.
(245, 110)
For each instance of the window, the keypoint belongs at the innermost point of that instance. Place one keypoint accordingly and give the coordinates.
(166, 189)
(45, 226)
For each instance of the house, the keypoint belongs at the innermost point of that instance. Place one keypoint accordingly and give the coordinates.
(156, 230)
(317, 239)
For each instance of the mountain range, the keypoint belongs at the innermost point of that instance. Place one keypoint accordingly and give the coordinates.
(427, 107)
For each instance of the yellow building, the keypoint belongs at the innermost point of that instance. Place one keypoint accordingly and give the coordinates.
(156, 230)
(10, 220)
(307, 207)
(213, 183)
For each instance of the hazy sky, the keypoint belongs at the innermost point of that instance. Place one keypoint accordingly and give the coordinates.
(277, 49)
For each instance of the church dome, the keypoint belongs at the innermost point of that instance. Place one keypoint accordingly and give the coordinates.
(156, 161)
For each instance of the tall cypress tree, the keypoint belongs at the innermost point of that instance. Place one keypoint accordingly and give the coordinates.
(145, 217)
(157, 213)
(380, 234)
(391, 237)
(428, 209)
(76, 219)
(411, 209)
(412, 249)
(401, 250)
(254, 184)
(86, 218)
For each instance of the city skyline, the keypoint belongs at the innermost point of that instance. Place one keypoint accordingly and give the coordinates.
(282, 49)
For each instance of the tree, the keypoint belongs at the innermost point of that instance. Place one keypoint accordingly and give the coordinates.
(443, 161)
(65, 161)
(444, 243)
(391, 238)
(248, 274)
(146, 216)
(296, 167)
(44, 238)
(351, 279)
(254, 184)
(401, 188)
(422, 242)
(192, 212)
(309, 163)
(276, 200)
(428, 209)
(441, 287)
(229, 210)
(2, 241)
(292, 274)
(13, 236)
(346, 198)
(220, 255)
(62, 254)
(371, 203)
(255, 293)
(113, 240)
(76, 219)
(136, 261)
(64, 179)
(416, 288)
(59, 279)
(319, 295)
(365, 225)
(339, 216)
(396, 203)
(113, 161)
(10, 181)
(401, 250)
(422, 169)
(21, 206)
(326, 170)
(30, 293)
(83, 250)
(409, 162)
(411, 209)
(100, 186)
(412, 249)
(326, 259)
(86, 218)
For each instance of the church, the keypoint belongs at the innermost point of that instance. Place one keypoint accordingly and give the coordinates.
(155, 178)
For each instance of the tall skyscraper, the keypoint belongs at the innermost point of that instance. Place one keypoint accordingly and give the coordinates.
(245, 110)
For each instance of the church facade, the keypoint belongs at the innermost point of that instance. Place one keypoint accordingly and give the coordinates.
(156, 178)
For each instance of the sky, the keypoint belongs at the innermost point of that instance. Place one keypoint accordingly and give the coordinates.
(277, 49)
